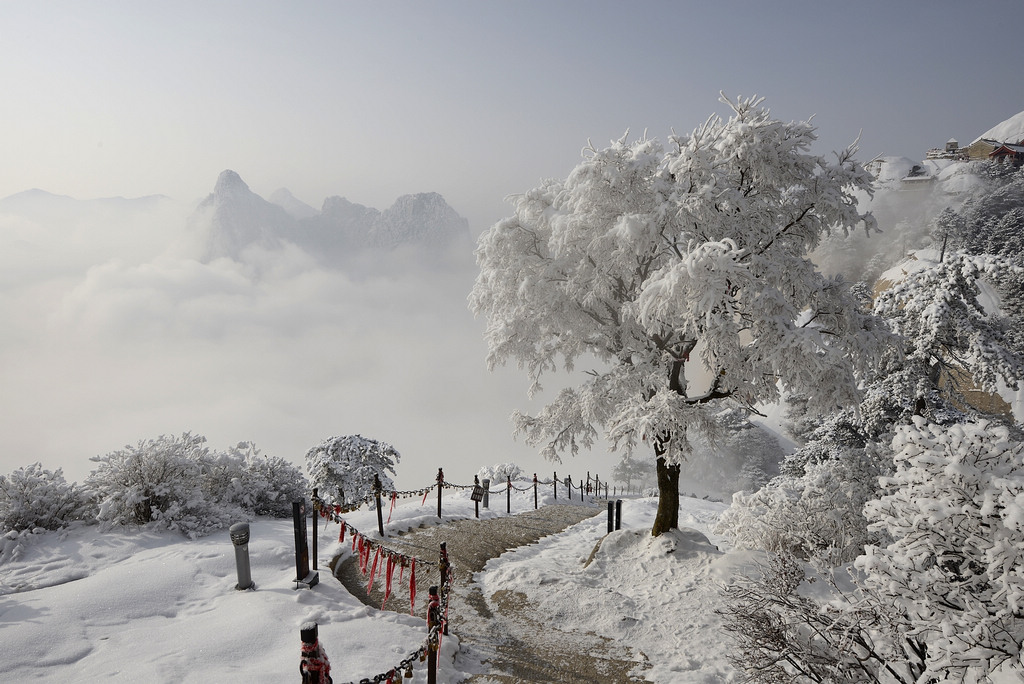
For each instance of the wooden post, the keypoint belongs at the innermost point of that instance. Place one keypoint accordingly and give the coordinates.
(440, 486)
(444, 567)
(476, 504)
(568, 485)
(316, 514)
(606, 490)
(313, 666)
(508, 496)
(611, 516)
(618, 514)
(380, 512)
(588, 484)
(433, 618)
(554, 481)
(535, 491)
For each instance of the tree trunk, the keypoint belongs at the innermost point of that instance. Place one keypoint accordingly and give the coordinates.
(668, 497)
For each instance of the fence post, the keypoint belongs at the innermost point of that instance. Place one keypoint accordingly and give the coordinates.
(611, 516)
(588, 484)
(440, 486)
(535, 491)
(314, 666)
(568, 485)
(508, 496)
(433, 637)
(316, 514)
(597, 486)
(618, 513)
(554, 481)
(487, 492)
(476, 504)
(380, 512)
(444, 567)
(606, 490)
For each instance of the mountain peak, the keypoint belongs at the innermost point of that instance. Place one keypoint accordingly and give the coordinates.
(229, 182)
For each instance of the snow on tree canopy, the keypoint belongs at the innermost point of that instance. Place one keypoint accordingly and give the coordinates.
(644, 255)
(344, 467)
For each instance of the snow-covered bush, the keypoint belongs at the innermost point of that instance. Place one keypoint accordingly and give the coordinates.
(163, 482)
(34, 497)
(343, 468)
(787, 633)
(954, 571)
(500, 472)
(815, 515)
(266, 485)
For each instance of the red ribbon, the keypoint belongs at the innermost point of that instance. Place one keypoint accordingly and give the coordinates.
(425, 496)
(389, 573)
(394, 497)
(412, 588)
(341, 534)
(373, 570)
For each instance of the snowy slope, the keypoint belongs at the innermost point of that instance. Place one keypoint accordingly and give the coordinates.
(81, 606)
(1011, 130)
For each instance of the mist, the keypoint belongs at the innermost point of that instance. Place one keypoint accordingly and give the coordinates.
(115, 331)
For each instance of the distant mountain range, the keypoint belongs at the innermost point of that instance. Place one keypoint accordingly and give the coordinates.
(233, 218)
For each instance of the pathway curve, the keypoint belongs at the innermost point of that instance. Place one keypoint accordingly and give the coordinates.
(502, 634)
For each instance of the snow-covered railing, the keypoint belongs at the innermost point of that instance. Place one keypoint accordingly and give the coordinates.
(386, 560)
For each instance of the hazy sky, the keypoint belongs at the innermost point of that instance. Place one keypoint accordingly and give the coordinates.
(475, 100)
(108, 336)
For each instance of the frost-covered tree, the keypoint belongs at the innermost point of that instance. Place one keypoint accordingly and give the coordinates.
(683, 275)
(343, 468)
(161, 482)
(34, 497)
(500, 472)
(954, 571)
(953, 343)
(630, 471)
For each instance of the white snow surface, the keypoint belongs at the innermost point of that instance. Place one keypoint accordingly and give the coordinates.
(84, 605)
(1010, 131)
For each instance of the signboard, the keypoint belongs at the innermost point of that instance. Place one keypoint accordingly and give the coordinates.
(478, 493)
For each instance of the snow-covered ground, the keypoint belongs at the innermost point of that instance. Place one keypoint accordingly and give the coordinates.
(85, 605)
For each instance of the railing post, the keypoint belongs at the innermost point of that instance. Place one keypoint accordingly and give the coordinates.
(314, 666)
(508, 495)
(568, 485)
(476, 504)
(611, 516)
(444, 567)
(380, 512)
(316, 514)
(440, 486)
(554, 481)
(535, 491)
(618, 514)
(433, 633)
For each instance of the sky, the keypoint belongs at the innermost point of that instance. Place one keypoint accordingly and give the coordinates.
(474, 100)
(110, 336)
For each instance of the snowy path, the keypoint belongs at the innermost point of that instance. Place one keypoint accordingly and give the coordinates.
(503, 636)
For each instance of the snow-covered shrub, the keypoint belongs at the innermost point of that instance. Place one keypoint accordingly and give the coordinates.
(818, 514)
(163, 482)
(266, 485)
(954, 571)
(34, 497)
(343, 468)
(500, 472)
